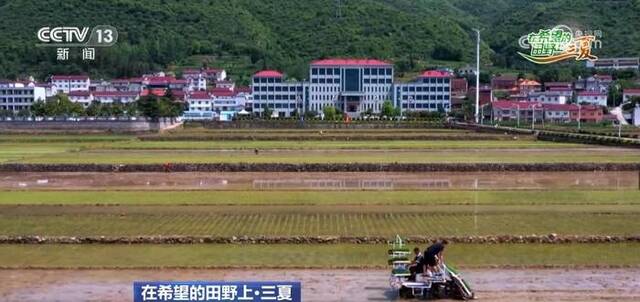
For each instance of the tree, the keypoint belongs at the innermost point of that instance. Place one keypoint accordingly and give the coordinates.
(329, 112)
(169, 108)
(131, 109)
(24, 113)
(38, 108)
(6, 113)
(468, 109)
(266, 113)
(59, 105)
(387, 109)
(117, 109)
(93, 109)
(148, 106)
(310, 114)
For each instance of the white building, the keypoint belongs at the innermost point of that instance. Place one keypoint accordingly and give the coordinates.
(195, 81)
(549, 97)
(67, 83)
(615, 63)
(351, 85)
(431, 91)
(109, 97)
(592, 97)
(83, 97)
(271, 91)
(199, 106)
(18, 96)
(209, 74)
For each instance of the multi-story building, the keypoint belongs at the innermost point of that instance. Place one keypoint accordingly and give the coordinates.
(109, 97)
(592, 97)
(559, 113)
(615, 63)
(209, 74)
(67, 83)
(558, 85)
(271, 91)
(18, 96)
(594, 83)
(512, 111)
(549, 97)
(195, 81)
(82, 97)
(504, 82)
(431, 91)
(351, 85)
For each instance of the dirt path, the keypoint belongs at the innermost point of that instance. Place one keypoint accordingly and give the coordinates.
(329, 285)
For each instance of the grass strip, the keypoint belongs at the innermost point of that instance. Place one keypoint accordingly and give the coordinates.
(308, 256)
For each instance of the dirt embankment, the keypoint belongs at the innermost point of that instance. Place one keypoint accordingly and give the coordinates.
(547, 239)
(328, 167)
(328, 285)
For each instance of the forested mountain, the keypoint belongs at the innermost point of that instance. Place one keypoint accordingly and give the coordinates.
(246, 35)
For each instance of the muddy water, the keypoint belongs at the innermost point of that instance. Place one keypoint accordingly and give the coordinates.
(323, 181)
(328, 285)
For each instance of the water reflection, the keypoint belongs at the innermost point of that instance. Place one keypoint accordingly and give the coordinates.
(323, 181)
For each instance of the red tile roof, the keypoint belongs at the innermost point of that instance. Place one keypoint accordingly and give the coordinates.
(527, 82)
(350, 62)
(115, 93)
(201, 95)
(69, 77)
(560, 107)
(501, 104)
(79, 93)
(154, 91)
(631, 90)
(268, 74)
(435, 74)
(219, 92)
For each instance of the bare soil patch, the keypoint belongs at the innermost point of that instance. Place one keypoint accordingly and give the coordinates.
(329, 285)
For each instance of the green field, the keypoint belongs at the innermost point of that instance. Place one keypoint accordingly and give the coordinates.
(123, 149)
(117, 211)
(327, 156)
(307, 256)
(558, 197)
(273, 221)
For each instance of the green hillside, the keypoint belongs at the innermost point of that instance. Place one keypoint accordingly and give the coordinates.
(244, 35)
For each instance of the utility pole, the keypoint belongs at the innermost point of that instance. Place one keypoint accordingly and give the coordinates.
(533, 117)
(579, 116)
(338, 9)
(477, 75)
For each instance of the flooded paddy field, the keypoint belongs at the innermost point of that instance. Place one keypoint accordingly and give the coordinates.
(389, 181)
